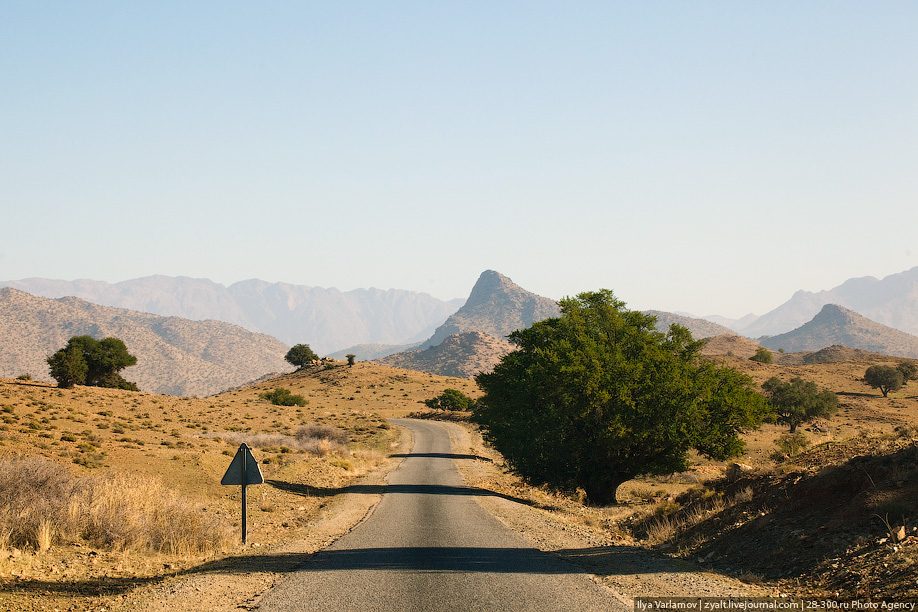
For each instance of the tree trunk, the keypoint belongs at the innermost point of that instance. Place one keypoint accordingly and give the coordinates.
(601, 490)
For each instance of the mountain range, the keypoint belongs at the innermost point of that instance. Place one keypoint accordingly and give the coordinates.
(326, 319)
(175, 356)
(834, 325)
(181, 356)
(892, 301)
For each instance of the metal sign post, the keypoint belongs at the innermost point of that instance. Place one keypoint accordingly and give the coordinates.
(243, 470)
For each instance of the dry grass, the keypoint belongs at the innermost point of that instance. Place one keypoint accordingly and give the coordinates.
(313, 438)
(42, 505)
(186, 444)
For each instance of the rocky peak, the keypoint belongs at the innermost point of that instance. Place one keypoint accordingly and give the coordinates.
(496, 306)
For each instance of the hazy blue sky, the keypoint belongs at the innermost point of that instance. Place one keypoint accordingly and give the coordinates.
(709, 157)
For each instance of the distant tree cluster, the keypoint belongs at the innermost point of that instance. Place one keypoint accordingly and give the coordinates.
(763, 355)
(96, 363)
(450, 399)
(799, 401)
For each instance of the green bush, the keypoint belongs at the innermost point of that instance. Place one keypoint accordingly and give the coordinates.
(450, 399)
(763, 355)
(283, 397)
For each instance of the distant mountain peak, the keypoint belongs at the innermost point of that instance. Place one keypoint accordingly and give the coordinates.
(496, 306)
(490, 285)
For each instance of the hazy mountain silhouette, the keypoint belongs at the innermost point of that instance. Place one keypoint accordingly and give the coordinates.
(326, 319)
(890, 301)
(834, 325)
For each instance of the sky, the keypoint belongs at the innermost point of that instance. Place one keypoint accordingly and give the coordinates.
(701, 157)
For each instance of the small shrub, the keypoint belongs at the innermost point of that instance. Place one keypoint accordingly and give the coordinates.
(24, 377)
(762, 355)
(791, 444)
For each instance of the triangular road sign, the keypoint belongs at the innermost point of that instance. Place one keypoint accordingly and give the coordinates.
(243, 470)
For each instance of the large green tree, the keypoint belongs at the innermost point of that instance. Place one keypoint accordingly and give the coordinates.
(799, 401)
(300, 355)
(597, 396)
(97, 363)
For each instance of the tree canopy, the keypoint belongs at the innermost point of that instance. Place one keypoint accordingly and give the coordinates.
(597, 396)
(885, 378)
(87, 361)
(909, 370)
(300, 355)
(799, 401)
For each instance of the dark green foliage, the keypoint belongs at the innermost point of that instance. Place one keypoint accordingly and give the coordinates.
(351, 357)
(885, 378)
(97, 363)
(283, 397)
(799, 401)
(763, 355)
(597, 396)
(451, 399)
(909, 370)
(300, 355)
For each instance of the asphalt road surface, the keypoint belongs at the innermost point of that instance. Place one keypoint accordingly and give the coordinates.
(429, 546)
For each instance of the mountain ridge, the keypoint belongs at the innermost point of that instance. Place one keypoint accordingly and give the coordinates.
(836, 325)
(889, 301)
(326, 319)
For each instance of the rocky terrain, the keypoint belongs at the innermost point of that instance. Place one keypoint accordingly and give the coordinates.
(175, 356)
(466, 354)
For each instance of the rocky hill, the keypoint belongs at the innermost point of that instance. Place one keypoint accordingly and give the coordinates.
(890, 301)
(835, 325)
(464, 355)
(174, 356)
(496, 306)
(326, 319)
(473, 339)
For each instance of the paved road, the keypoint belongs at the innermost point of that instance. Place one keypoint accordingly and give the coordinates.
(429, 546)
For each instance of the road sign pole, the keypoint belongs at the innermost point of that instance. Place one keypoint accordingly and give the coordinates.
(243, 502)
(243, 470)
